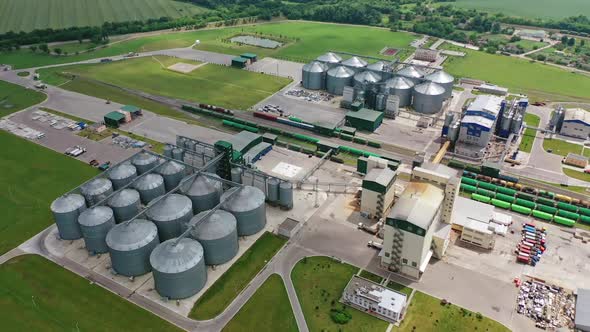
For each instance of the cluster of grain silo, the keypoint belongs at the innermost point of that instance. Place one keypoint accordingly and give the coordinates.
(314, 75)
(218, 234)
(428, 98)
(278, 193)
(338, 78)
(401, 87)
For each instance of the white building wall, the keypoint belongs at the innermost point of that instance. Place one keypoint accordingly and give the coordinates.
(451, 194)
(575, 129)
(388, 233)
(482, 140)
(480, 239)
(369, 202)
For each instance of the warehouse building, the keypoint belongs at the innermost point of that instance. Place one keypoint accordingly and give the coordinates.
(575, 160)
(424, 54)
(378, 192)
(364, 119)
(114, 119)
(374, 298)
(478, 233)
(239, 62)
(477, 126)
(576, 123)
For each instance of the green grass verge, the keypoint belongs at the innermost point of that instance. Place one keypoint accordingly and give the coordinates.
(235, 279)
(371, 276)
(32, 177)
(399, 287)
(427, 314)
(14, 98)
(528, 8)
(319, 282)
(268, 310)
(528, 138)
(576, 174)
(23, 73)
(562, 148)
(39, 295)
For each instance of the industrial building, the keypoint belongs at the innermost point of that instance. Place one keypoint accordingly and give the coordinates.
(478, 223)
(576, 123)
(124, 115)
(575, 160)
(478, 233)
(492, 89)
(364, 119)
(424, 54)
(378, 192)
(374, 298)
(582, 319)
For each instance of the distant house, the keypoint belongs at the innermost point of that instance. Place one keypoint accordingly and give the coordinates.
(531, 34)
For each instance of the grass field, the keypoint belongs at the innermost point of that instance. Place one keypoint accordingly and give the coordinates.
(520, 76)
(529, 8)
(400, 288)
(268, 310)
(48, 174)
(39, 295)
(576, 174)
(371, 276)
(319, 282)
(235, 279)
(14, 98)
(27, 15)
(528, 138)
(427, 314)
(562, 148)
(209, 83)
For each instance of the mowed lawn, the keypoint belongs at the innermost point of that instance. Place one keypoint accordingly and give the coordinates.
(268, 310)
(32, 177)
(580, 175)
(528, 138)
(210, 83)
(14, 98)
(562, 148)
(27, 15)
(39, 295)
(529, 8)
(538, 81)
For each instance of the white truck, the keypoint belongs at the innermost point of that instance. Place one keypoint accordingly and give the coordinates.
(77, 151)
(375, 245)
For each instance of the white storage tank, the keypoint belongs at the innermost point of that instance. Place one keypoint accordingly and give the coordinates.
(331, 59)
(443, 79)
(248, 206)
(401, 87)
(286, 195)
(203, 191)
(355, 63)
(96, 190)
(314, 75)
(66, 210)
(149, 187)
(218, 234)
(170, 214)
(144, 161)
(125, 204)
(122, 175)
(428, 98)
(412, 73)
(173, 173)
(95, 223)
(338, 78)
(130, 245)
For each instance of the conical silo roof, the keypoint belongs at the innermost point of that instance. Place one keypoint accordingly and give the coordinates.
(248, 198)
(132, 235)
(149, 181)
(95, 216)
(341, 71)
(429, 88)
(67, 203)
(355, 62)
(202, 185)
(216, 226)
(329, 58)
(172, 257)
(170, 167)
(399, 83)
(124, 197)
(377, 66)
(171, 207)
(411, 71)
(122, 171)
(96, 186)
(144, 158)
(315, 67)
(367, 77)
(440, 77)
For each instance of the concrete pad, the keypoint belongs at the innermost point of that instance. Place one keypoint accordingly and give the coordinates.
(163, 129)
(184, 68)
(79, 254)
(277, 67)
(59, 247)
(104, 268)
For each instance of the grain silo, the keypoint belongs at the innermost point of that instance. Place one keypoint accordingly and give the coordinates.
(96, 190)
(428, 98)
(178, 267)
(286, 195)
(167, 151)
(377, 67)
(248, 206)
(367, 79)
(66, 210)
(190, 145)
(144, 161)
(516, 124)
(180, 141)
(178, 153)
(203, 191)
(272, 191)
(170, 214)
(149, 187)
(314, 75)
(330, 59)
(401, 87)
(443, 79)
(412, 73)
(122, 175)
(355, 63)
(218, 234)
(236, 175)
(130, 245)
(95, 223)
(125, 204)
(338, 78)
(172, 172)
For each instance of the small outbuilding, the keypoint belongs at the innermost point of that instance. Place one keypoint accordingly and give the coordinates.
(114, 119)
(239, 62)
(364, 119)
(250, 56)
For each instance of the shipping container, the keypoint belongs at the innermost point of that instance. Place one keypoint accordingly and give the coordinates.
(506, 191)
(567, 207)
(505, 198)
(525, 203)
(545, 201)
(521, 209)
(480, 198)
(546, 209)
(564, 221)
(568, 214)
(469, 181)
(467, 188)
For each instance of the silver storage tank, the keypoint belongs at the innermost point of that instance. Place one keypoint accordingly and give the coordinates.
(314, 75)
(401, 87)
(248, 206)
(190, 145)
(66, 210)
(355, 63)
(218, 234)
(125, 204)
(130, 245)
(380, 102)
(272, 192)
(412, 73)
(516, 124)
(95, 223)
(144, 161)
(330, 59)
(180, 141)
(149, 187)
(96, 190)
(377, 67)
(172, 172)
(443, 79)
(203, 191)
(428, 98)
(367, 79)
(121, 175)
(236, 175)
(338, 78)
(170, 214)
(167, 151)
(286, 195)
(177, 154)
(454, 131)
(178, 268)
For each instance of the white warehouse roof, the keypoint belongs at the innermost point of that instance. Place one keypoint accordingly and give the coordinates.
(466, 209)
(478, 120)
(577, 115)
(418, 204)
(486, 103)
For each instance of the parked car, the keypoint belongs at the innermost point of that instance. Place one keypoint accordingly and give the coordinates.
(105, 166)
(93, 163)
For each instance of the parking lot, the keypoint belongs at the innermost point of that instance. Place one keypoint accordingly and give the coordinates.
(277, 67)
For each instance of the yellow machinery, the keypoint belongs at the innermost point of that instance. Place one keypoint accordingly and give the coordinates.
(441, 153)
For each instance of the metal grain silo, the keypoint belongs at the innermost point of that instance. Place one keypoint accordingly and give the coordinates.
(121, 175)
(443, 79)
(219, 236)
(286, 195)
(190, 145)
(380, 102)
(204, 192)
(272, 192)
(330, 59)
(377, 67)
(178, 268)
(355, 63)
(180, 141)
(66, 210)
(454, 130)
(144, 161)
(125, 204)
(172, 172)
(96, 190)
(170, 214)
(178, 153)
(412, 73)
(130, 245)
(248, 206)
(402, 87)
(338, 78)
(367, 79)
(314, 75)
(516, 124)
(428, 98)
(236, 175)
(95, 223)
(149, 187)
(167, 151)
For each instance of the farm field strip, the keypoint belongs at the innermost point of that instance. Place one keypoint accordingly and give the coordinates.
(529, 8)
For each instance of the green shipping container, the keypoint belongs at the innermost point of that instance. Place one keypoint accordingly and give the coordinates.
(480, 198)
(487, 186)
(542, 215)
(525, 203)
(585, 219)
(545, 208)
(484, 192)
(545, 201)
(505, 198)
(567, 207)
(464, 187)
(584, 211)
(564, 221)
(500, 204)
(469, 181)
(507, 191)
(567, 214)
(526, 196)
(521, 209)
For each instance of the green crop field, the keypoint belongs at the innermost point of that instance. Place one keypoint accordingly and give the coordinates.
(209, 83)
(538, 81)
(39, 295)
(27, 15)
(25, 204)
(14, 98)
(268, 310)
(526, 144)
(529, 8)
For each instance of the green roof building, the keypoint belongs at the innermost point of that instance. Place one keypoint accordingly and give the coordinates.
(131, 109)
(114, 119)
(250, 56)
(239, 62)
(364, 119)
